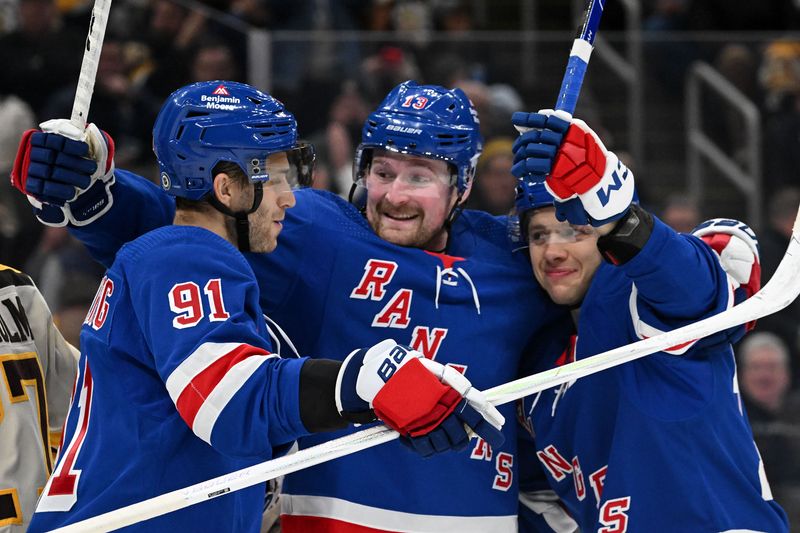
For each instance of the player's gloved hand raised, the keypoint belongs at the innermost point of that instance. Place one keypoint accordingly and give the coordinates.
(590, 184)
(737, 247)
(66, 173)
(433, 406)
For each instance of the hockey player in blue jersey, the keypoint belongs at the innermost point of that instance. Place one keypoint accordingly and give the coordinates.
(177, 383)
(660, 443)
(406, 263)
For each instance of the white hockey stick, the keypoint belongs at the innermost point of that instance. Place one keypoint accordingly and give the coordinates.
(781, 290)
(91, 57)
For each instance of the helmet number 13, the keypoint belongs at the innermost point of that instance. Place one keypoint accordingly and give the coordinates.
(415, 101)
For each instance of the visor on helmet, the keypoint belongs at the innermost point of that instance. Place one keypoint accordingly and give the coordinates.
(292, 167)
(562, 232)
(413, 175)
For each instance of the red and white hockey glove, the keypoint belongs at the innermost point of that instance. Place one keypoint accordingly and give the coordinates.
(65, 173)
(584, 169)
(433, 406)
(737, 247)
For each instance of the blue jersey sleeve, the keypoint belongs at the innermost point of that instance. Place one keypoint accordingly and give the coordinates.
(139, 206)
(678, 280)
(202, 322)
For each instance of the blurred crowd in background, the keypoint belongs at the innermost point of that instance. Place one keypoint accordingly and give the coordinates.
(331, 84)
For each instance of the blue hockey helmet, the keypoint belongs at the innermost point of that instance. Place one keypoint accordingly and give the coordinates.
(532, 194)
(427, 121)
(205, 123)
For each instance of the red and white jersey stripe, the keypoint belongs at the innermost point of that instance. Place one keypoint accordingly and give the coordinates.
(317, 514)
(203, 384)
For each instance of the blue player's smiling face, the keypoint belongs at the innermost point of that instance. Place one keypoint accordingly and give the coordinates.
(409, 198)
(564, 257)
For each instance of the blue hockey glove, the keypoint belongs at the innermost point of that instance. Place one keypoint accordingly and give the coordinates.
(589, 183)
(66, 174)
(541, 135)
(535, 149)
(431, 405)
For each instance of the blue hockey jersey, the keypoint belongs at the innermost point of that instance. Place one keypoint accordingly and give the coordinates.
(176, 385)
(660, 444)
(333, 284)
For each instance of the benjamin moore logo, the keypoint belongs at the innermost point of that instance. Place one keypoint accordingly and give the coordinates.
(218, 101)
(222, 91)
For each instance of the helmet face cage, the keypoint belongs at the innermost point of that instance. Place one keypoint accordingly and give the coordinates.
(427, 121)
(206, 123)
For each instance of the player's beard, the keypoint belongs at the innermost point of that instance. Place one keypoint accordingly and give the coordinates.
(263, 240)
(418, 232)
(262, 230)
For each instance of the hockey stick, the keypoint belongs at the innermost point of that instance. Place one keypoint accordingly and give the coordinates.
(91, 58)
(83, 95)
(779, 292)
(579, 57)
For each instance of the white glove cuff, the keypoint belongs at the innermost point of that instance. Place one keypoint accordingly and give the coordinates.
(613, 194)
(63, 126)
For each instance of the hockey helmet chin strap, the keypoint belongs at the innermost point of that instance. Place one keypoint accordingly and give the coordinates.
(242, 223)
(455, 211)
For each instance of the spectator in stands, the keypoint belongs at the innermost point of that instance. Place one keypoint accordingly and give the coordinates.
(456, 21)
(669, 59)
(779, 76)
(764, 374)
(739, 64)
(382, 71)
(171, 32)
(778, 73)
(774, 239)
(727, 126)
(303, 66)
(253, 12)
(342, 135)
(58, 261)
(40, 55)
(681, 213)
(75, 296)
(129, 111)
(213, 59)
(494, 187)
(781, 212)
(774, 413)
(411, 18)
(19, 231)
